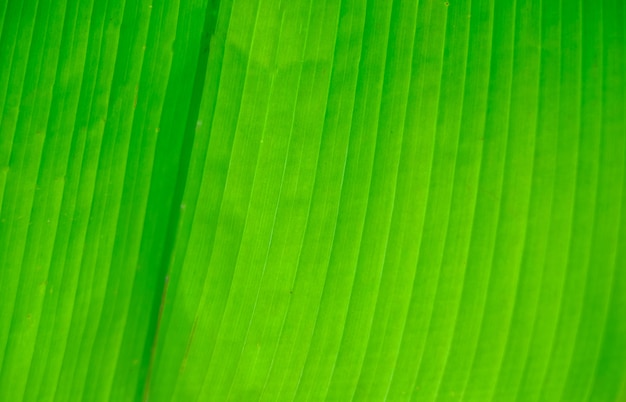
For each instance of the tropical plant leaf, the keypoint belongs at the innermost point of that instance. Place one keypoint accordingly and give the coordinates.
(277, 200)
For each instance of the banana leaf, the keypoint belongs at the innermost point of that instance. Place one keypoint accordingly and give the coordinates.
(332, 200)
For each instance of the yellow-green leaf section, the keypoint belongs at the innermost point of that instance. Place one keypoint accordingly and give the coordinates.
(332, 200)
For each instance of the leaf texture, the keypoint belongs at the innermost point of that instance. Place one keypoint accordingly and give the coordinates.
(270, 200)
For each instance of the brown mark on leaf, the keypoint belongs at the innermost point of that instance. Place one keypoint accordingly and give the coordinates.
(193, 331)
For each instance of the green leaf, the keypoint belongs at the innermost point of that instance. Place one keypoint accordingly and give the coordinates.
(268, 200)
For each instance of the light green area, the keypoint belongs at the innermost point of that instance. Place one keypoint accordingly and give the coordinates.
(273, 200)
